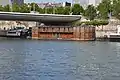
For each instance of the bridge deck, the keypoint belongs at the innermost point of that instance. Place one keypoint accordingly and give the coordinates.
(38, 17)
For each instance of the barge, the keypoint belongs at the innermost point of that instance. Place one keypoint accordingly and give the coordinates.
(76, 33)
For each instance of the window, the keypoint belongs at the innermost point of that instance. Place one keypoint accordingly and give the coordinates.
(44, 29)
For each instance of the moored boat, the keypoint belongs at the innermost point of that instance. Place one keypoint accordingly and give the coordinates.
(18, 33)
(115, 36)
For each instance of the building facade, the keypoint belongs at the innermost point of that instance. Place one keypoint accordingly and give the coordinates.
(85, 3)
(48, 4)
(98, 2)
(10, 2)
(53, 4)
(4, 2)
(94, 2)
(20, 2)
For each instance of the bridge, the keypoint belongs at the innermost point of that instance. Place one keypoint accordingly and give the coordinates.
(39, 17)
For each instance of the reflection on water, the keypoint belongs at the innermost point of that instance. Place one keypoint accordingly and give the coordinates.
(59, 60)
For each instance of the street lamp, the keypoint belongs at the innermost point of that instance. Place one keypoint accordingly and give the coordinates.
(54, 7)
(71, 7)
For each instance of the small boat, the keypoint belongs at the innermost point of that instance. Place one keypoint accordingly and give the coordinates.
(18, 33)
(115, 36)
(14, 33)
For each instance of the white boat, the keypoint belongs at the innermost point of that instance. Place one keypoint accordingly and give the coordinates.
(17, 33)
(115, 36)
(14, 33)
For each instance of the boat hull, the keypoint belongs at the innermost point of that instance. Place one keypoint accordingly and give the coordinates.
(114, 39)
(18, 34)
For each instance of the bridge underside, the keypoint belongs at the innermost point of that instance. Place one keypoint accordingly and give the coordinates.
(43, 18)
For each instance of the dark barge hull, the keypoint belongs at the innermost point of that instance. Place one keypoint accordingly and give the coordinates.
(114, 39)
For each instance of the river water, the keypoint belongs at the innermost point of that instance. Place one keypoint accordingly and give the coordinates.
(59, 60)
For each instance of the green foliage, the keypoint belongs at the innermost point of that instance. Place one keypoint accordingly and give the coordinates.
(41, 11)
(24, 8)
(6, 8)
(93, 22)
(32, 6)
(49, 10)
(116, 9)
(66, 10)
(15, 8)
(77, 9)
(37, 8)
(90, 12)
(104, 9)
(1, 8)
(59, 10)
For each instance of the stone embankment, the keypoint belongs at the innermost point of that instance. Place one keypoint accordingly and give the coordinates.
(104, 30)
(101, 31)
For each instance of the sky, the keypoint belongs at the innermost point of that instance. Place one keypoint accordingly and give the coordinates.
(39, 1)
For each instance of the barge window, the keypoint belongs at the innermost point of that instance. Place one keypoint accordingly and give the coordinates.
(44, 29)
(68, 29)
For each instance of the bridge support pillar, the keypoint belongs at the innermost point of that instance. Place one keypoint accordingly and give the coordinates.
(38, 24)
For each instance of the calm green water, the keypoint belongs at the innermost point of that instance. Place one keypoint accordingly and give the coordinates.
(59, 60)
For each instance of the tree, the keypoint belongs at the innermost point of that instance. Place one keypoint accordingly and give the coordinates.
(6, 8)
(1, 8)
(116, 9)
(104, 8)
(37, 8)
(34, 7)
(90, 12)
(77, 9)
(66, 10)
(41, 11)
(24, 8)
(59, 10)
(15, 8)
(49, 10)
